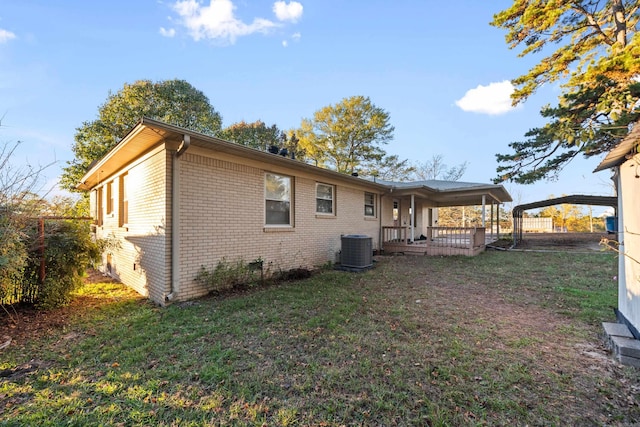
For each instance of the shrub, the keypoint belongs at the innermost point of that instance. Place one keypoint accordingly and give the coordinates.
(228, 275)
(68, 252)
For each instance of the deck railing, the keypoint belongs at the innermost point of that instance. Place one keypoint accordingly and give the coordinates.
(439, 240)
(396, 234)
(456, 237)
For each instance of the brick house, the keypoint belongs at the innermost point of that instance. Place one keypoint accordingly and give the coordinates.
(176, 200)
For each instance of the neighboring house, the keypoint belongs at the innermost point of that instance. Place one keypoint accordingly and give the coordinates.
(624, 159)
(176, 200)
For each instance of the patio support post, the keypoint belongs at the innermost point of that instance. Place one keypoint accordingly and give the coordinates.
(491, 221)
(413, 216)
(484, 210)
(498, 221)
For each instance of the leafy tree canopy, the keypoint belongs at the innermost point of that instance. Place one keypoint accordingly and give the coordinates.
(391, 168)
(346, 137)
(255, 135)
(596, 51)
(171, 101)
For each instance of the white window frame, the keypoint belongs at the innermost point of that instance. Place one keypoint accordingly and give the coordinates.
(321, 199)
(123, 200)
(284, 200)
(372, 205)
(110, 196)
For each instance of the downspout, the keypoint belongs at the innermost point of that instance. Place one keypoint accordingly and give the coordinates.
(380, 233)
(175, 218)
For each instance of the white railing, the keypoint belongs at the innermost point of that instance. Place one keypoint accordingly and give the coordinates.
(439, 241)
(456, 237)
(395, 235)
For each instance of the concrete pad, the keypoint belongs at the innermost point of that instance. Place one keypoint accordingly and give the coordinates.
(626, 346)
(629, 361)
(616, 330)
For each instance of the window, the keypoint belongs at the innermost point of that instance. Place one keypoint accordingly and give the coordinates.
(369, 204)
(324, 199)
(99, 206)
(109, 197)
(124, 201)
(277, 199)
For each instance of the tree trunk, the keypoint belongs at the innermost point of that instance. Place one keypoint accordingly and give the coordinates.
(620, 21)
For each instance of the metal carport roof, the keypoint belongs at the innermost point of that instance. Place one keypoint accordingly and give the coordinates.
(575, 200)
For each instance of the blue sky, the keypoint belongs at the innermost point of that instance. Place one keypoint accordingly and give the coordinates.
(440, 72)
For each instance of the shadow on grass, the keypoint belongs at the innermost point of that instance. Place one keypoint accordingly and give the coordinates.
(416, 341)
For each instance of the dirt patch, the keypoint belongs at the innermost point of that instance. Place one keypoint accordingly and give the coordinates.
(588, 242)
(452, 305)
(23, 322)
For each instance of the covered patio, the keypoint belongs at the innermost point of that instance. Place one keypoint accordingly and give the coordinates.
(410, 217)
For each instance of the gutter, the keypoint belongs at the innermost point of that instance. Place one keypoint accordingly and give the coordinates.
(175, 218)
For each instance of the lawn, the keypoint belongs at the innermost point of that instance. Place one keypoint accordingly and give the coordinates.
(504, 338)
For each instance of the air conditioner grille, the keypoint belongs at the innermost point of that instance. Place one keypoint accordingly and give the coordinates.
(357, 251)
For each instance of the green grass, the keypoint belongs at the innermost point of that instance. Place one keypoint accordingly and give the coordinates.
(489, 340)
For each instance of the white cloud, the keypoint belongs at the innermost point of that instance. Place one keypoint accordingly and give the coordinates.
(217, 21)
(5, 36)
(167, 33)
(493, 99)
(287, 12)
(295, 37)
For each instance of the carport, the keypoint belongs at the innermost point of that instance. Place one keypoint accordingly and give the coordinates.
(574, 200)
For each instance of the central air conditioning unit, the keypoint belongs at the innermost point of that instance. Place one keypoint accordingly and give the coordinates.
(357, 251)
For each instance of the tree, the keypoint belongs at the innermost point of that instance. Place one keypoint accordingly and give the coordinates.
(172, 101)
(255, 135)
(346, 137)
(449, 216)
(437, 169)
(597, 46)
(390, 168)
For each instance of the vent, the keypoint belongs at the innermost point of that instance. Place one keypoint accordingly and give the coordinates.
(357, 251)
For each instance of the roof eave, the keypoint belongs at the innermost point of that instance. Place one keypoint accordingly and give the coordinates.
(618, 155)
(176, 132)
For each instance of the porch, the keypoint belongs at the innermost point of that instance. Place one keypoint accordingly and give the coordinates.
(469, 241)
(411, 221)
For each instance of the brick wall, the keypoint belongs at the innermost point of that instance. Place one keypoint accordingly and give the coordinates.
(142, 258)
(222, 216)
